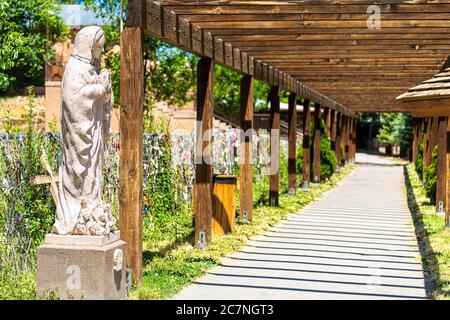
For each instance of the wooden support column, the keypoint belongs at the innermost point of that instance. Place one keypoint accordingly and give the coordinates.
(352, 140)
(131, 136)
(203, 169)
(433, 135)
(346, 138)
(333, 129)
(426, 146)
(441, 165)
(326, 117)
(274, 178)
(292, 145)
(246, 176)
(337, 146)
(316, 156)
(447, 191)
(306, 166)
(416, 141)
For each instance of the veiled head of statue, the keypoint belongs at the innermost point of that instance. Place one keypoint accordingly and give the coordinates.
(89, 44)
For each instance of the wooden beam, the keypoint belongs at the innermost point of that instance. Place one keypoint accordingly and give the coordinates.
(306, 166)
(274, 177)
(246, 175)
(292, 144)
(441, 165)
(316, 148)
(203, 170)
(131, 136)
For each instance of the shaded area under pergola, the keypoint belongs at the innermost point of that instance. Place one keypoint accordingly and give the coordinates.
(322, 51)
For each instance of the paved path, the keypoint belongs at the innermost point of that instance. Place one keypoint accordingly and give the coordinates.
(356, 242)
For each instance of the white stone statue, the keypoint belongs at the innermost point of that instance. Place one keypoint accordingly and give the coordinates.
(85, 127)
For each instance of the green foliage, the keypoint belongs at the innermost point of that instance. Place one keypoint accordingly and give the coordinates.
(431, 175)
(299, 162)
(396, 129)
(328, 160)
(433, 235)
(419, 163)
(405, 131)
(283, 171)
(227, 88)
(26, 210)
(388, 132)
(24, 42)
(164, 217)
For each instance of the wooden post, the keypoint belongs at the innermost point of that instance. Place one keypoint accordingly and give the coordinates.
(354, 140)
(346, 139)
(433, 134)
(306, 166)
(274, 177)
(442, 164)
(246, 176)
(333, 129)
(337, 146)
(426, 146)
(326, 117)
(343, 139)
(350, 140)
(292, 145)
(415, 142)
(316, 156)
(447, 191)
(131, 136)
(203, 169)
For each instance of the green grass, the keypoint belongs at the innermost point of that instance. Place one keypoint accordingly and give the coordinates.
(170, 267)
(431, 233)
(17, 287)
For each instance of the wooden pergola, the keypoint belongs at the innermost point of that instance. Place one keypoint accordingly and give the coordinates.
(322, 51)
(429, 104)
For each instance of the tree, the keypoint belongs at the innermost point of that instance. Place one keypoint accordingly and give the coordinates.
(396, 129)
(27, 30)
(227, 92)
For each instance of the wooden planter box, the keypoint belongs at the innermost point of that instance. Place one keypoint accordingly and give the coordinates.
(224, 204)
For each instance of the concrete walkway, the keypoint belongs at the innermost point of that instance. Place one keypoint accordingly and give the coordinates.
(356, 242)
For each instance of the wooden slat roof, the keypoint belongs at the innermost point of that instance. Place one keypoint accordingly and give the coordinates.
(434, 88)
(321, 49)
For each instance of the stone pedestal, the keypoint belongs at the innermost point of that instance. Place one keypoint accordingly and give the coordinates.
(82, 267)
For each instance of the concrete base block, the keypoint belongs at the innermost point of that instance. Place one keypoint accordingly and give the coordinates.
(94, 270)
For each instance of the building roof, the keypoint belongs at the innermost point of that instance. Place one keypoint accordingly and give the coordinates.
(434, 88)
(77, 16)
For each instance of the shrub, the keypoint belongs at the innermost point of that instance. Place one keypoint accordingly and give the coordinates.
(419, 163)
(328, 160)
(431, 176)
(26, 210)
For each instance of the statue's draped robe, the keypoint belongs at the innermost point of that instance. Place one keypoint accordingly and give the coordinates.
(85, 123)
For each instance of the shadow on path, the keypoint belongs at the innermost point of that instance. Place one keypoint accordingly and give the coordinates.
(429, 261)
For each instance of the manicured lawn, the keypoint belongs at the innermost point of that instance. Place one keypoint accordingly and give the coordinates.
(432, 235)
(171, 266)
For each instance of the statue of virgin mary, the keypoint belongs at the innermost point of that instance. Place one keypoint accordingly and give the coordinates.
(85, 126)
